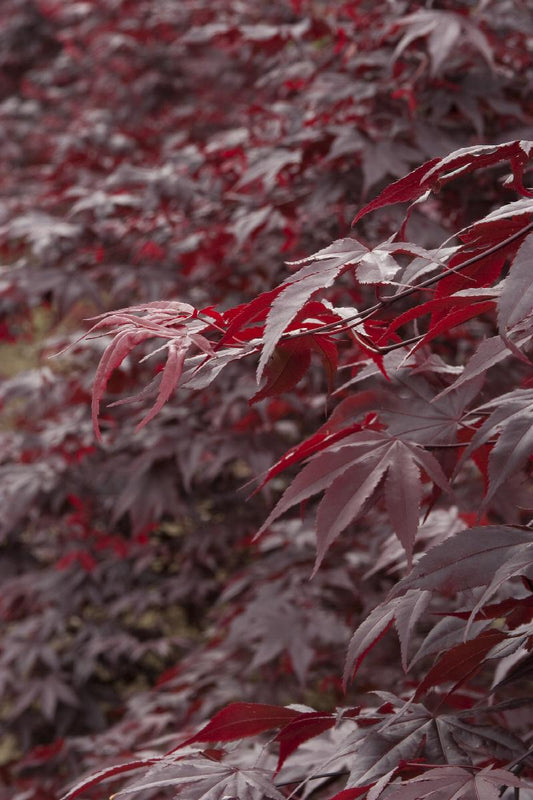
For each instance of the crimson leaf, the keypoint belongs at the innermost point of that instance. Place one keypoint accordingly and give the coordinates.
(242, 719)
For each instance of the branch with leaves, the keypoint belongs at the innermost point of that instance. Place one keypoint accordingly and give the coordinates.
(368, 455)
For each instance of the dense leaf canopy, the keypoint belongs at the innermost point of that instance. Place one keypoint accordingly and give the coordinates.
(278, 253)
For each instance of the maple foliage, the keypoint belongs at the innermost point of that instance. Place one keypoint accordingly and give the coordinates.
(286, 246)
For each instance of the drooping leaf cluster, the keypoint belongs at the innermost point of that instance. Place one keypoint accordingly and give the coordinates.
(159, 635)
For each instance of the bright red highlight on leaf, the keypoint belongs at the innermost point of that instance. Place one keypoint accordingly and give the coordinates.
(242, 719)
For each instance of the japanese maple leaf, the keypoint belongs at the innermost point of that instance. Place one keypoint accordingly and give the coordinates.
(520, 563)
(464, 560)
(439, 171)
(418, 416)
(349, 472)
(319, 272)
(516, 298)
(457, 782)
(267, 164)
(174, 322)
(511, 420)
(280, 621)
(489, 352)
(201, 778)
(412, 731)
(445, 32)
(402, 611)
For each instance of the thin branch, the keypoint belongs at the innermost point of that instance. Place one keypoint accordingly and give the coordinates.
(360, 318)
(518, 762)
(479, 257)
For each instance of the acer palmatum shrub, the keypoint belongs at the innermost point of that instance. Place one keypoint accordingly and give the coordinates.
(182, 152)
(421, 410)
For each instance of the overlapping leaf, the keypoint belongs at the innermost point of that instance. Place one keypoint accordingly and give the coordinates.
(447, 782)
(464, 560)
(239, 720)
(511, 420)
(445, 31)
(519, 564)
(349, 472)
(403, 611)
(440, 171)
(489, 352)
(109, 772)
(280, 622)
(305, 726)
(324, 267)
(516, 299)
(411, 731)
(458, 664)
(174, 322)
(416, 415)
(200, 778)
